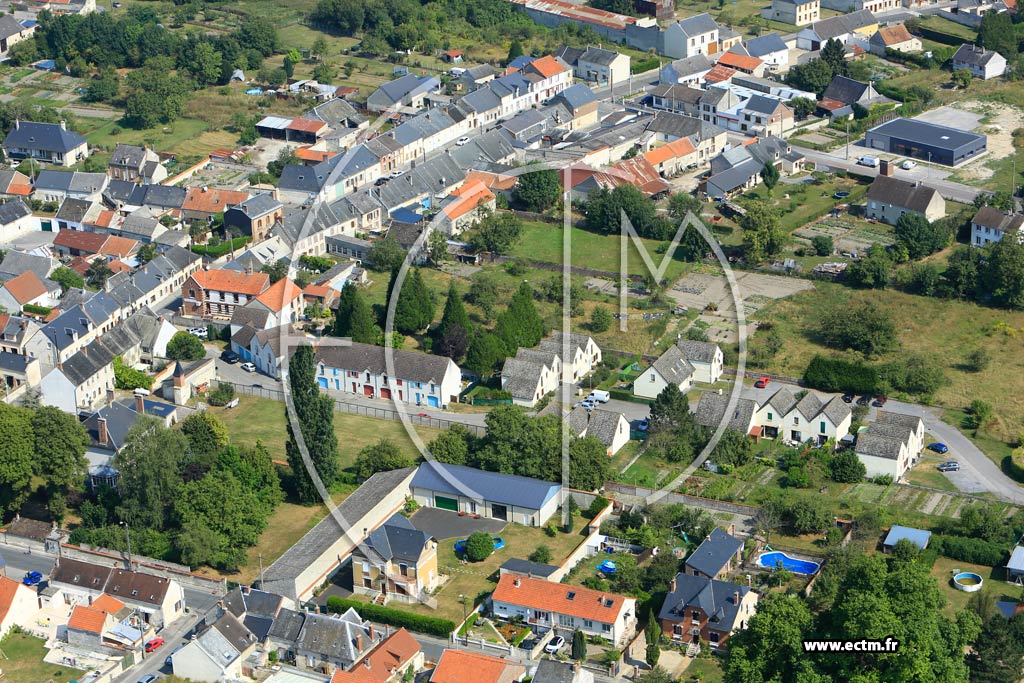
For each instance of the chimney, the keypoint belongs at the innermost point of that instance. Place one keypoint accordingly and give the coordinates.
(17, 124)
(101, 431)
(359, 642)
(516, 582)
(140, 404)
(63, 124)
(367, 663)
(85, 351)
(110, 396)
(736, 597)
(886, 168)
(672, 585)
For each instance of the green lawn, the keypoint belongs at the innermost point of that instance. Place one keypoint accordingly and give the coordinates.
(22, 662)
(950, 27)
(163, 138)
(943, 571)
(705, 670)
(806, 202)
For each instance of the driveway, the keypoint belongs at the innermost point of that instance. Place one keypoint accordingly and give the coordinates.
(977, 470)
(443, 524)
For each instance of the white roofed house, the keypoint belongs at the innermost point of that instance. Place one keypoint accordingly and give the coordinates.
(420, 379)
(671, 368)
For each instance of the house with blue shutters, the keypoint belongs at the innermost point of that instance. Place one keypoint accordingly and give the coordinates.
(419, 379)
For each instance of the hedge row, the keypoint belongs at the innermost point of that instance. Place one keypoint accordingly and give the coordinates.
(1013, 464)
(220, 249)
(973, 550)
(834, 375)
(414, 622)
(940, 36)
(643, 65)
(623, 395)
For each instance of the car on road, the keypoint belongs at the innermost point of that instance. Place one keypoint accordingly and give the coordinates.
(462, 141)
(396, 174)
(587, 404)
(200, 332)
(847, 398)
(908, 164)
(381, 181)
(32, 578)
(154, 644)
(864, 401)
(762, 382)
(554, 645)
(599, 396)
(248, 367)
(230, 357)
(148, 678)
(938, 447)
(951, 466)
(869, 161)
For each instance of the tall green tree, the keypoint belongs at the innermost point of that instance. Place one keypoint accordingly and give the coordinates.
(588, 464)
(515, 50)
(497, 233)
(1002, 273)
(520, 325)
(997, 33)
(769, 175)
(485, 352)
(579, 646)
(185, 346)
(920, 236)
(452, 336)
(17, 445)
(382, 456)
(538, 191)
(385, 255)
(60, 441)
(763, 235)
(207, 436)
(354, 318)
(314, 413)
(414, 310)
(150, 464)
(833, 53)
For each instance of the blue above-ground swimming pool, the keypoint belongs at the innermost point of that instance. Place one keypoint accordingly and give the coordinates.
(775, 558)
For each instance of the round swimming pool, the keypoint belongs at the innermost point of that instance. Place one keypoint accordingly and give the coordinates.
(968, 582)
(774, 559)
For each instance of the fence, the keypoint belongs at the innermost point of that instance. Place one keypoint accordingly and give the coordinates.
(696, 501)
(366, 411)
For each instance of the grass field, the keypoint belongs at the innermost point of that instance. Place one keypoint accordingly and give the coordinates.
(946, 330)
(943, 571)
(165, 138)
(23, 662)
(705, 669)
(803, 203)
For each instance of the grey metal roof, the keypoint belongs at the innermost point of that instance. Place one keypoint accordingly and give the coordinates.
(923, 132)
(509, 489)
(47, 137)
(516, 565)
(918, 537)
(714, 598)
(714, 552)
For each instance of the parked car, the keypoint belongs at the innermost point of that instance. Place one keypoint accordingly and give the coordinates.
(248, 367)
(879, 401)
(587, 404)
(951, 466)
(229, 356)
(938, 447)
(908, 164)
(32, 578)
(643, 425)
(462, 141)
(599, 396)
(847, 398)
(148, 678)
(868, 161)
(864, 400)
(381, 181)
(762, 382)
(200, 332)
(154, 644)
(397, 174)
(554, 645)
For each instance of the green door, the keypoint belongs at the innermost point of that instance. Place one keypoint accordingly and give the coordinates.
(446, 503)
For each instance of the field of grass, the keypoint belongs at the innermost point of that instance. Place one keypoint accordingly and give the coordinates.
(806, 202)
(945, 330)
(943, 571)
(259, 419)
(704, 669)
(950, 27)
(926, 474)
(23, 662)
(102, 133)
(477, 579)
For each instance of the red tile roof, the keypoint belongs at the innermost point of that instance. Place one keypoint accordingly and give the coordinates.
(306, 125)
(89, 242)
(279, 295)
(540, 594)
(312, 291)
(493, 181)
(742, 62)
(8, 590)
(232, 281)
(673, 150)
(390, 654)
(307, 154)
(19, 189)
(547, 66)
(107, 603)
(119, 246)
(457, 666)
(212, 200)
(25, 287)
(471, 195)
(719, 74)
(87, 619)
(894, 35)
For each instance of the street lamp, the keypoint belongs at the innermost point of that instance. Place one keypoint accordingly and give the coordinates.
(465, 632)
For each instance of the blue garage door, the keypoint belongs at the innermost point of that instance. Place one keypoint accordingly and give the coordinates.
(433, 402)
(322, 381)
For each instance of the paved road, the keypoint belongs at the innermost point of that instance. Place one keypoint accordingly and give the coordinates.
(979, 472)
(635, 84)
(950, 190)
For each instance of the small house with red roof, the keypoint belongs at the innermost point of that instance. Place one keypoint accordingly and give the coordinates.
(458, 666)
(18, 604)
(283, 300)
(542, 603)
(214, 294)
(453, 56)
(469, 203)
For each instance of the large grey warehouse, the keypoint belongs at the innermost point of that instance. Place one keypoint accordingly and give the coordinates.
(926, 141)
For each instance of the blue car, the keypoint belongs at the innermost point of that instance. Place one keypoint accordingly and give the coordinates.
(32, 578)
(938, 447)
(460, 545)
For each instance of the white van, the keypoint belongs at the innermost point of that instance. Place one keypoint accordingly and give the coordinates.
(871, 162)
(599, 396)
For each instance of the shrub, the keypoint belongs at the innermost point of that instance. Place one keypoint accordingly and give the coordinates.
(433, 626)
(883, 479)
(598, 504)
(973, 550)
(479, 547)
(222, 395)
(834, 375)
(541, 554)
(129, 378)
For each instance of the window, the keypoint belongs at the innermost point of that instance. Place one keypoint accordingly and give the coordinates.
(587, 623)
(822, 426)
(565, 620)
(652, 376)
(191, 293)
(769, 416)
(606, 628)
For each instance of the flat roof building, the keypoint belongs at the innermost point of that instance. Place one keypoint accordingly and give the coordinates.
(926, 141)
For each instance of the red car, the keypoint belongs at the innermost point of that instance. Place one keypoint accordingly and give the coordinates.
(154, 644)
(762, 383)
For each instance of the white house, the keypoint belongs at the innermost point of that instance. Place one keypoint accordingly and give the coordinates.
(419, 379)
(696, 35)
(215, 654)
(795, 12)
(671, 368)
(610, 427)
(16, 219)
(891, 445)
(18, 604)
(982, 63)
(990, 224)
(158, 600)
(531, 375)
(564, 607)
(705, 357)
(602, 66)
(584, 354)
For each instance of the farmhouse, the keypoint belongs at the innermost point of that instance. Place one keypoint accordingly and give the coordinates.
(507, 497)
(889, 198)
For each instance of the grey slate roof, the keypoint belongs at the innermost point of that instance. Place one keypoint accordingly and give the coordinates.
(762, 105)
(712, 407)
(878, 446)
(570, 55)
(409, 365)
(991, 217)
(12, 211)
(842, 24)
(48, 137)
(697, 25)
(702, 352)
(521, 377)
(896, 192)
(691, 66)
(714, 598)
(911, 422)
(554, 671)
(679, 126)
(396, 539)
(9, 26)
(516, 565)
(73, 210)
(848, 91)
(782, 401)
(287, 625)
(316, 541)
(334, 637)
(604, 424)
(673, 366)
(836, 411)
(508, 489)
(973, 55)
(257, 205)
(809, 406)
(128, 155)
(576, 96)
(714, 552)
(597, 55)
(763, 45)
(17, 262)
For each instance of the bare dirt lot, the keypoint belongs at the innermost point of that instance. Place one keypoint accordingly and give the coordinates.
(968, 115)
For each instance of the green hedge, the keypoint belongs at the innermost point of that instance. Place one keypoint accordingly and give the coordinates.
(38, 310)
(831, 374)
(973, 550)
(128, 378)
(940, 36)
(639, 67)
(623, 395)
(222, 248)
(414, 622)
(1014, 466)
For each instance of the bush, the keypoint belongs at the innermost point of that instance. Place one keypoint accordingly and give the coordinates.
(128, 378)
(433, 626)
(38, 310)
(222, 395)
(542, 554)
(598, 504)
(220, 249)
(1014, 464)
(973, 550)
(479, 546)
(834, 375)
